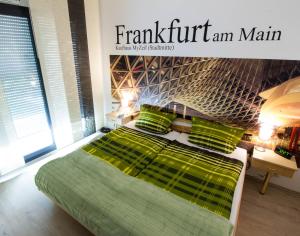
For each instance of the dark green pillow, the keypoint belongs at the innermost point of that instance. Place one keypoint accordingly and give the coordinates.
(215, 136)
(154, 121)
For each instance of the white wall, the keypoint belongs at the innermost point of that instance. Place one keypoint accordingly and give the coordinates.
(92, 15)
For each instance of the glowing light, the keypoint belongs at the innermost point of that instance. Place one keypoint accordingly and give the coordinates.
(126, 98)
(265, 118)
(266, 131)
(268, 123)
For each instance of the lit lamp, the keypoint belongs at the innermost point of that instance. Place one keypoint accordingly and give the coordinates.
(126, 98)
(282, 105)
(266, 131)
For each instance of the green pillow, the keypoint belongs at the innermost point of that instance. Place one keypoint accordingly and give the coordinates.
(215, 136)
(154, 121)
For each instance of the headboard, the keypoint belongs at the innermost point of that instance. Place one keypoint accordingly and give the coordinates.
(183, 111)
(182, 125)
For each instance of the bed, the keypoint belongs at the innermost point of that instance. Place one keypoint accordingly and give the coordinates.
(108, 186)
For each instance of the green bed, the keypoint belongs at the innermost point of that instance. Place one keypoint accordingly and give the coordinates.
(113, 187)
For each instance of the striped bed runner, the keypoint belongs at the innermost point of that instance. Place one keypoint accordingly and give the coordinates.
(127, 149)
(205, 178)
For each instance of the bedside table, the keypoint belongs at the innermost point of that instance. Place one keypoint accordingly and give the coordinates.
(272, 163)
(116, 120)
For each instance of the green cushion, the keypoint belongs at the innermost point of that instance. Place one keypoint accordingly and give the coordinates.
(215, 136)
(154, 121)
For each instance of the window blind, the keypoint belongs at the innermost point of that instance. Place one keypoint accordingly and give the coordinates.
(21, 83)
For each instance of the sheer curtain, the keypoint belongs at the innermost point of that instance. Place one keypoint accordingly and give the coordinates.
(51, 26)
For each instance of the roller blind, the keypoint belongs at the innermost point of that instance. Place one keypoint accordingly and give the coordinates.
(21, 84)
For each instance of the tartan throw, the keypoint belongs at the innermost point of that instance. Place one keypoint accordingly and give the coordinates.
(205, 178)
(109, 202)
(154, 121)
(215, 136)
(127, 149)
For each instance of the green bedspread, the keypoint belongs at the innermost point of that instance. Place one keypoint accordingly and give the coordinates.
(205, 178)
(109, 202)
(127, 149)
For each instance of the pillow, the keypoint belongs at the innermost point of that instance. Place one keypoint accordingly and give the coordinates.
(154, 121)
(215, 136)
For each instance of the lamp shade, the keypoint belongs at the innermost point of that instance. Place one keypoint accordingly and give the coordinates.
(283, 103)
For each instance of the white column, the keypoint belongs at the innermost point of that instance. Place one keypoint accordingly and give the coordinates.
(92, 17)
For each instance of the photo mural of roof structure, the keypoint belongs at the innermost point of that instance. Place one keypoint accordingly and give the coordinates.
(220, 88)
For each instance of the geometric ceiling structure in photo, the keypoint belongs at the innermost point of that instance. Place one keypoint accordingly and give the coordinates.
(220, 88)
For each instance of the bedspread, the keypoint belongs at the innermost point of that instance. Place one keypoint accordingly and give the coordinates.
(127, 149)
(205, 178)
(109, 202)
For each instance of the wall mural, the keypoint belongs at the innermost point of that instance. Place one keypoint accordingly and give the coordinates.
(220, 89)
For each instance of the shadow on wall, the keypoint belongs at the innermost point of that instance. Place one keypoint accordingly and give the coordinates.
(220, 89)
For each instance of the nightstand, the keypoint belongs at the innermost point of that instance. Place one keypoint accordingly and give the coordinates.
(116, 120)
(272, 163)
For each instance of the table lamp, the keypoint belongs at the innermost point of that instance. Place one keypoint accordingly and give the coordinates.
(126, 98)
(265, 133)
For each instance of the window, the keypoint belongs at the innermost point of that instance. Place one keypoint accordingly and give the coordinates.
(23, 106)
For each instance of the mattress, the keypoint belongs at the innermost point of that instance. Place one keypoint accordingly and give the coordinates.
(239, 154)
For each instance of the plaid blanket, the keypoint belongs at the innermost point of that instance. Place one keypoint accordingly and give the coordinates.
(127, 149)
(109, 202)
(205, 178)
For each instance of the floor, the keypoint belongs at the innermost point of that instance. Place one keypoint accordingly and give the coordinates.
(277, 213)
(25, 211)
